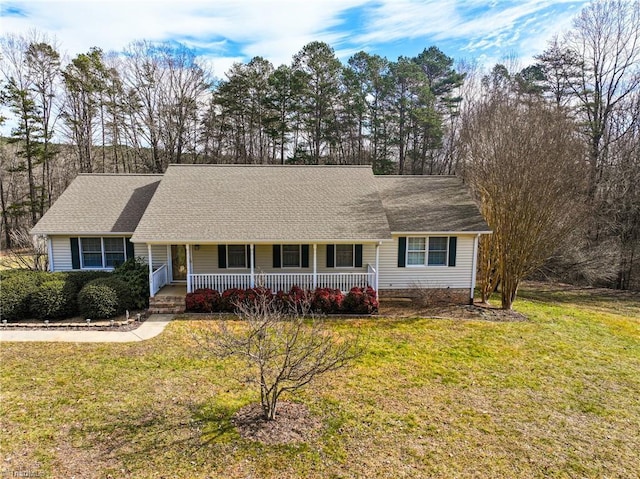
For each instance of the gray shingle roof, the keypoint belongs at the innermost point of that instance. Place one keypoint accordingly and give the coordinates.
(429, 203)
(98, 204)
(238, 203)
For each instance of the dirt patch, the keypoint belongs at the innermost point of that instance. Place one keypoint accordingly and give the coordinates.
(406, 308)
(293, 424)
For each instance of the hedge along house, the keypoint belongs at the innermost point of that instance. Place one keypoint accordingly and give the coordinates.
(239, 226)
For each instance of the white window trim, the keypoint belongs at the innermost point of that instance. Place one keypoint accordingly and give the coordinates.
(282, 266)
(426, 253)
(353, 256)
(102, 251)
(244, 246)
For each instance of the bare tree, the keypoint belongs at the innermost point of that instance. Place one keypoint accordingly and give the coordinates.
(26, 252)
(605, 41)
(524, 165)
(283, 351)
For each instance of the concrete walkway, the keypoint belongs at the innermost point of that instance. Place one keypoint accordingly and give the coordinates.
(153, 326)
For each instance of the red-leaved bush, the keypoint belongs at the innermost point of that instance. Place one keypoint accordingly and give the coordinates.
(360, 301)
(230, 298)
(322, 300)
(203, 301)
(327, 300)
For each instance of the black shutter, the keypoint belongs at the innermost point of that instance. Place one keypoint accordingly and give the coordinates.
(358, 256)
(453, 243)
(222, 256)
(305, 256)
(248, 256)
(129, 246)
(277, 262)
(331, 253)
(402, 251)
(75, 253)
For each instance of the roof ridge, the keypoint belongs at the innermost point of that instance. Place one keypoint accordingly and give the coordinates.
(236, 165)
(418, 176)
(121, 174)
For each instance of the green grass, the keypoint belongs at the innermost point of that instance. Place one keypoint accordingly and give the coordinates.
(555, 396)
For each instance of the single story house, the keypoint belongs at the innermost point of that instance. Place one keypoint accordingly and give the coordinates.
(224, 226)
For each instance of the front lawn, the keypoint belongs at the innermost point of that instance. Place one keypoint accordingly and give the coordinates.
(555, 396)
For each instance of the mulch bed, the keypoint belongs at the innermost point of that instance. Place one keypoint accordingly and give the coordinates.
(404, 308)
(293, 424)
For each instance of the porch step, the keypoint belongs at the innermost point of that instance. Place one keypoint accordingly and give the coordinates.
(166, 310)
(166, 304)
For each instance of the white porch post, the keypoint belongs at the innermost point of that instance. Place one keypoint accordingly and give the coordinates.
(315, 266)
(188, 268)
(50, 254)
(150, 259)
(474, 267)
(377, 267)
(251, 262)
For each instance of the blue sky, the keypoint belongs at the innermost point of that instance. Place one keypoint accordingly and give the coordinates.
(227, 31)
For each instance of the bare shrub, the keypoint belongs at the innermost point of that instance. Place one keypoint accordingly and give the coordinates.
(27, 252)
(284, 350)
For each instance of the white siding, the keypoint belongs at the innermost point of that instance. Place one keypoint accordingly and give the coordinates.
(458, 276)
(159, 255)
(140, 250)
(159, 252)
(61, 248)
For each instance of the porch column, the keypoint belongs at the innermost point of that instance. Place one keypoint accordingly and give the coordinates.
(315, 266)
(50, 254)
(152, 293)
(474, 267)
(188, 268)
(377, 275)
(251, 262)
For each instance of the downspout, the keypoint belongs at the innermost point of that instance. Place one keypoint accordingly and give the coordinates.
(152, 293)
(189, 270)
(50, 253)
(377, 268)
(315, 266)
(474, 268)
(251, 262)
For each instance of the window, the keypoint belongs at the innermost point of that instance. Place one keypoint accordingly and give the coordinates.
(236, 256)
(416, 251)
(431, 251)
(102, 252)
(113, 252)
(291, 256)
(91, 249)
(438, 250)
(344, 256)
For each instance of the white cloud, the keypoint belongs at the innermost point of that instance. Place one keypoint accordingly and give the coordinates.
(272, 29)
(225, 31)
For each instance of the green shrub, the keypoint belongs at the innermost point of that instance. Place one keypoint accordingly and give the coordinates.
(79, 278)
(135, 273)
(98, 300)
(120, 288)
(15, 295)
(53, 299)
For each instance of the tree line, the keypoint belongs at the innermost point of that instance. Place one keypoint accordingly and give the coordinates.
(153, 104)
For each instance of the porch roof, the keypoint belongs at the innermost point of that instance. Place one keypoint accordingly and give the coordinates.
(429, 203)
(228, 203)
(99, 204)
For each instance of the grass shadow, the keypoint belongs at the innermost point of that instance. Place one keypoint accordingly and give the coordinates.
(136, 438)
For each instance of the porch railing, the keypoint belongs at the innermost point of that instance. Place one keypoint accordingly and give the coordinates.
(284, 281)
(159, 278)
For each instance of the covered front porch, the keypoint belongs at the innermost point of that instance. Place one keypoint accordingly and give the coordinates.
(273, 266)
